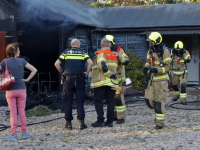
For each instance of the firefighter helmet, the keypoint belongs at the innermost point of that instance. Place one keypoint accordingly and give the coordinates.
(110, 38)
(155, 37)
(178, 45)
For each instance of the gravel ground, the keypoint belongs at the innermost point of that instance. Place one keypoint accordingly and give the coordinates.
(181, 131)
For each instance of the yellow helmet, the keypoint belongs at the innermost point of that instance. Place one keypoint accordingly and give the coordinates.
(178, 45)
(110, 38)
(155, 36)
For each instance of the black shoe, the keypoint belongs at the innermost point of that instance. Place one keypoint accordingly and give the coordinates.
(158, 127)
(120, 121)
(174, 99)
(68, 125)
(115, 119)
(98, 124)
(108, 124)
(184, 103)
(82, 125)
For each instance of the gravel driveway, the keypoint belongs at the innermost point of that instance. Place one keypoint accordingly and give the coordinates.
(181, 131)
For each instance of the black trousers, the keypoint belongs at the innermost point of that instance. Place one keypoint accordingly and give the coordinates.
(69, 87)
(101, 93)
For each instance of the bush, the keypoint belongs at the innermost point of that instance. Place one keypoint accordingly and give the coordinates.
(40, 111)
(134, 71)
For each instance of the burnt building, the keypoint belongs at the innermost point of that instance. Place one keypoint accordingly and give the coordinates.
(46, 27)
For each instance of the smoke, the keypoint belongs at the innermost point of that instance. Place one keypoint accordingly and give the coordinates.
(45, 14)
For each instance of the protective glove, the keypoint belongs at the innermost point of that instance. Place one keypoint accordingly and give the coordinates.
(187, 61)
(113, 76)
(184, 50)
(145, 69)
(154, 70)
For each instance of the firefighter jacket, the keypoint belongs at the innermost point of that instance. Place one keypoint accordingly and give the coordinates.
(179, 66)
(123, 60)
(74, 60)
(105, 63)
(162, 62)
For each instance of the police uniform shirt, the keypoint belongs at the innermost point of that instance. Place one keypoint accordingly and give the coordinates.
(74, 60)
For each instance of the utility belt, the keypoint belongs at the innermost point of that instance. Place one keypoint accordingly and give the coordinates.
(78, 77)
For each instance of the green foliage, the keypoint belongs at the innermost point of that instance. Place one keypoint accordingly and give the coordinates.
(41, 111)
(134, 71)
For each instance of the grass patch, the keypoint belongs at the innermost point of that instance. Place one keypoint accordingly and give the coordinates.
(41, 111)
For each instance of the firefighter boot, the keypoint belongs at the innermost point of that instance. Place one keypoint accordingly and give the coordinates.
(120, 121)
(174, 99)
(82, 125)
(68, 125)
(158, 127)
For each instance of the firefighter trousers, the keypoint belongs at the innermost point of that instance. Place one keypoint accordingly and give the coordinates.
(120, 106)
(179, 86)
(155, 96)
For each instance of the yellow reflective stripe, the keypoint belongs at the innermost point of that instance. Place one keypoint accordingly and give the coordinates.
(176, 92)
(157, 63)
(105, 82)
(62, 57)
(95, 66)
(119, 79)
(186, 56)
(183, 95)
(74, 57)
(161, 77)
(179, 72)
(163, 69)
(147, 64)
(153, 110)
(160, 116)
(101, 59)
(120, 110)
(122, 59)
(120, 107)
(106, 73)
(124, 55)
(112, 64)
(182, 61)
(167, 59)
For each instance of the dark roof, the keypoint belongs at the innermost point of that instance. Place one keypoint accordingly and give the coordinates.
(57, 10)
(174, 32)
(165, 15)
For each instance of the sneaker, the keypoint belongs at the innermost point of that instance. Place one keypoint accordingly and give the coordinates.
(11, 137)
(25, 135)
(98, 124)
(120, 121)
(158, 127)
(108, 124)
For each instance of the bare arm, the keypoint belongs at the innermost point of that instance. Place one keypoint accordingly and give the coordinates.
(90, 63)
(33, 72)
(58, 67)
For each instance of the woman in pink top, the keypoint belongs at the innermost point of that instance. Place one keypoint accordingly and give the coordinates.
(17, 92)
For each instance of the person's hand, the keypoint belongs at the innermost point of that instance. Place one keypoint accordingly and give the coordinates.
(187, 60)
(154, 70)
(115, 53)
(113, 76)
(87, 74)
(145, 69)
(25, 80)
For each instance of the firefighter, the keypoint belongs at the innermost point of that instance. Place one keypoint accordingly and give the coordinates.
(158, 64)
(120, 107)
(105, 83)
(180, 56)
(74, 61)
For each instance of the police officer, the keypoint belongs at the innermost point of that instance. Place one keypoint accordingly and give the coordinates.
(74, 60)
(105, 82)
(180, 56)
(158, 64)
(120, 106)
